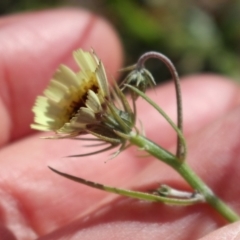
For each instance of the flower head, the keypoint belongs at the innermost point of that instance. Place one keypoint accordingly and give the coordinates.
(72, 99)
(82, 103)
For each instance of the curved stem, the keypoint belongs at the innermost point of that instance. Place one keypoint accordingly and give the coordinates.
(168, 119)
(187, 173)
(172, 69)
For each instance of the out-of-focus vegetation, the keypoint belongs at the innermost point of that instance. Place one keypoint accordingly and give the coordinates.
(13, 6)
(198, 36)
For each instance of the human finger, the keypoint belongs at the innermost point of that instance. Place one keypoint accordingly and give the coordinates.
(29, 165)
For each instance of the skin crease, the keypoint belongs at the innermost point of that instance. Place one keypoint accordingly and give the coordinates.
(38, 204)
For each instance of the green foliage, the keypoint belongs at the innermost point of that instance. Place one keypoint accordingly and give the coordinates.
(195, 36)
(132, 17)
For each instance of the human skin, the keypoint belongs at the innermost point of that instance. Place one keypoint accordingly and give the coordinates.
(35, 203)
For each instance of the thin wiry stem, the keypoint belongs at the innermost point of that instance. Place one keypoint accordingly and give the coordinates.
(134, 109)
(96, 144)
(130, 193)
(114, 141)
(172, 69)
(87, 139)
(119, 120)
(168, 119)
(96, 152)
(123, 99)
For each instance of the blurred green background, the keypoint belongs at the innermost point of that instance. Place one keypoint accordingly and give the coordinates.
(198, 36)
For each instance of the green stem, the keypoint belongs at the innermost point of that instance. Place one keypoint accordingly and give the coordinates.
(187, 173)
(182, 147)
(130, 193)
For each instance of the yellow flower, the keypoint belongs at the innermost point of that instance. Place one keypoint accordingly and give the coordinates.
(72, 100)
(80, 103)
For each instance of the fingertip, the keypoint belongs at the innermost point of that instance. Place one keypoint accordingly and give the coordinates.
(207, 97)
(229, 232)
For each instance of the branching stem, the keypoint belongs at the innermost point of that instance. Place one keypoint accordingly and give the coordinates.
(172, 69)
(187, 173)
